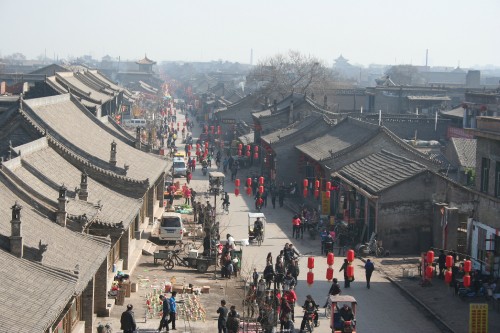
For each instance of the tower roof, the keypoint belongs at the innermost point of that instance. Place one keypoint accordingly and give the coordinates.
(146, 61)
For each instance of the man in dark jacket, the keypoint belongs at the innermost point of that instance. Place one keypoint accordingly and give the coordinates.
(165, 313)
(369, 268)
(127, 320)
(222, 321)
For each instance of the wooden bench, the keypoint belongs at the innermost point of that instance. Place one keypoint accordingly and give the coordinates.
(160, 255)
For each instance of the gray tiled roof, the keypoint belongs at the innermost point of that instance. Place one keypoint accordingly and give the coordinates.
(466, 151)
(70, 80)
(65, 249)
(294, 128)
(342, 136)
(92, 137)
(32, 296)
(380, 171)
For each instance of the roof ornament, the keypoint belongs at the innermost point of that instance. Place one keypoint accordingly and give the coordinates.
(20, 101)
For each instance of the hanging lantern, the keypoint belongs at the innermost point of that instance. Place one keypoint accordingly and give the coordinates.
(212, 129)
(248, 148)
(261, 189)
(261, 180)
(237, 183)
(248, 153)
(350, 271)
(467, 266)
(256, 149)
(310, 278)
(327, 193)
(218, 130)
(249, 181)
(449, 261)
(305, 193)
(239, 152)
(316, 193)
(350, 255)
(429, 272)
(306, 182)
(189, 153)
(206, 144)
(310, 262)
(236, 191)
(316, 184)
(256, 156)
(467, 281)
(240, 146)
(447, 276)
(249, 190)
(329, 273)
(328, 186)
(330, 258)
(430, 257)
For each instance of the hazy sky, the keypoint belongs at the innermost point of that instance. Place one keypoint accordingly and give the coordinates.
(363, 31)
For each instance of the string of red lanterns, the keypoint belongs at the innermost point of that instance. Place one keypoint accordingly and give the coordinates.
(310, 274)
(237, 187)
(448, 274)
(467, 270)
(350, 267)
(329, 261)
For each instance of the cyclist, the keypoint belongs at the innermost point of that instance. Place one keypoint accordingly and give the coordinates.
(225, 201)
(310, 309)
(257, 227)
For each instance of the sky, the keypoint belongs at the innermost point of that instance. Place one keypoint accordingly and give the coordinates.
(390, 32)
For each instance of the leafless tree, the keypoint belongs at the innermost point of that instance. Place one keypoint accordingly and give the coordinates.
(281, 74)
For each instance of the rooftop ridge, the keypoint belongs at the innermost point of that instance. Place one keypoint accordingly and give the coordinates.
(92, 84)
(59, 77)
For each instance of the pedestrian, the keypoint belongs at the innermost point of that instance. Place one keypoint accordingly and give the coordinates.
(255, 277)
(281, 196)
(296, 226)
(441, 263)
(334, 290)
(261, 289)
(173, 310)
(291, 298)
(165, 313)
(264, 197)
(369, 268)
(193, 196)
(273, 198)
(189, 175)
(347, 280)
(187, 196)
(127, 320)
(193, 165)
(222, 321)
(233, 320)
(269, 275)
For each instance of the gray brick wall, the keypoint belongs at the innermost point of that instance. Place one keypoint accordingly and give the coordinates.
(88, 306)
(124, 249)
(101, 290)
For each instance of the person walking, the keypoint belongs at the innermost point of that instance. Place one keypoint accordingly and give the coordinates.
(127, 320)
(281, 196)
(296, 226)
(441, 263)
(233, 320)
(222, 321)
(369, 268)
(189, 176)
(347, 280)
(165, 313)
(173, 310)
(273, 197)
(187, 196)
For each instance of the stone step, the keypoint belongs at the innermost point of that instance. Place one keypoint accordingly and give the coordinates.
(149, 248)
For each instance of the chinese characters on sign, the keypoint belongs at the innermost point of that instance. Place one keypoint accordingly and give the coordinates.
(478, 318)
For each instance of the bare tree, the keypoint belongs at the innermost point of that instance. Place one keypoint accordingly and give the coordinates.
(281, 74)
(403, 74)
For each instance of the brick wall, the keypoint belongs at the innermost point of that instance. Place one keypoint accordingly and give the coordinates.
(125, 248)
(101, 290)
(88, 306)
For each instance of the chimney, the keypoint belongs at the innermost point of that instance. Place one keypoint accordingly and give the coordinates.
(16, 238)
(61, 211)
(275, 105)
(325, 104)
(138, 137)
(290, 115)
(112, 158)
(83, 194)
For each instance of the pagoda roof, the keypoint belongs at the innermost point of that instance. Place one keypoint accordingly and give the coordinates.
(145, 61)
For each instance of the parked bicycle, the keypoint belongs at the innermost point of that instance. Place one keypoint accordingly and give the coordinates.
(371, 247)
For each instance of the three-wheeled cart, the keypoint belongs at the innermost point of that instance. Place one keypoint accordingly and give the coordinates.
(337, 325)
(252, 217)
(216, 182)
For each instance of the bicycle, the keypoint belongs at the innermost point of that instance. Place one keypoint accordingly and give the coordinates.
(174, 259)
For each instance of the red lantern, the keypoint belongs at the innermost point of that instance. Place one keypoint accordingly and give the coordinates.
(316, 193)
(240, 146)
(447, 276)
(249, 181)
(330, 259)
(310, 262)
(256, 156)
(467, 281)
(350, 255)
(316, 184)
(212, 129)
(218, 129)
(328, 186)
(205, 153)
(327, 193)
(350, 271)
(430, 257)
(249, 190)
(256, 149)
(248, 148)
(306, 182)
(261, 189)
(198, 153)
(305, 193)
(197, 146)
(236, 191)
(449, 261)
(189, 153)
(467, 266)
(248, 153)
(237, 182)
(429, 272)
(206, 144)
(329, 273)
(239, 152)
(310, 278)
(261, 180)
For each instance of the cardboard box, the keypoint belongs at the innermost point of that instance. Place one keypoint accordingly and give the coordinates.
(205, 290)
